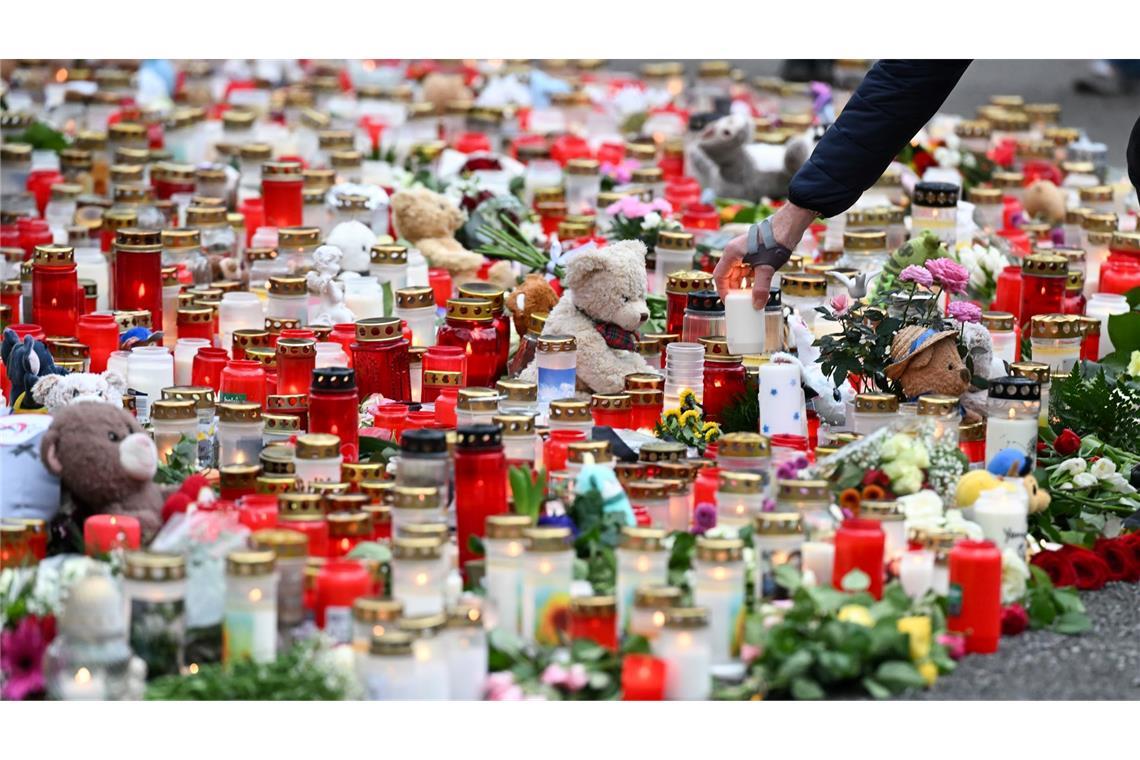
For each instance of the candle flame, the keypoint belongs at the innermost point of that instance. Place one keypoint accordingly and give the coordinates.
(193, 669)
(421, 579)
(83, 676)
(719, 573)
(255, 595)
(377, 630)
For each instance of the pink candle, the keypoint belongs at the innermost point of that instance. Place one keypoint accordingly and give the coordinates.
(103, 533)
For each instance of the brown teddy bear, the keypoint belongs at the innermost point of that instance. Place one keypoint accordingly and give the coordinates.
(106, 462)
(533, 295)
(1044, 200)
(428, 221)
(927, 361)
(441, 89)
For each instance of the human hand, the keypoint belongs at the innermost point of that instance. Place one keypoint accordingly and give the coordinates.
(731, 271)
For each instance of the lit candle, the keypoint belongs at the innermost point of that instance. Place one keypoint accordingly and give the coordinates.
(105, 533)
(650, 605)
(429, 649)
(465, 643)
(719, 589)
(547, 573)
(916, 572)
(818, 558)
(418, 575)
(1003, 514)
(641, 561)
(744, 325)
(776, 539)
(643, 678)
(388, 672)
(84, 686)
(859, 546)
(739, 498)
(890, 517)
(684, 645)
(503, 549)
(1014, 407)
(373, 616)
(249, 628)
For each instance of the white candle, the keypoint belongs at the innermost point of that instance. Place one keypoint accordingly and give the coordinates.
(641, 561)
(432, 676)
(1003, 514)
(744, 325)
(1102, 306)
(84, 686)
(782, 408)
(547, 573)
(388, 672)
(1018, 433)
(819, 558)
(916, 572)
(184, 352)
(684, 646)
(418, 575)
(719, 588)
(466, 645)
(239, 311)
(149, 370)
(503, 545)
(91, 264)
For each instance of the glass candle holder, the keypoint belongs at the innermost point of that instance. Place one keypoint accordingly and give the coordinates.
(101, 333)
(936, 209)
(685, 644)
(295, 248)
(480, 482)
(54, 287)
(556, 359)
(465, 642)
(611, 409)
(677, 289)
(380, 358)
(521, 444)
(373, 616)
(154, 597)
(287, 298)
(739, 498)
(641, 561)
(137, 273)
(803, 292)
(318, 458)
(418, 575)
(646, 406)
(704, 316)
(776, 539)
(1013, 409)
(547, 574)
(281, 193)
(651, 603)
(517, 396)
(171, 420)
(582, 182)
(719, 588)
(333, 406)
(250, 613)
(239, 433)
(859, 545)
(1056, 340)
(594, 618)
(1000, 325)
(470, 327)
(1003, 514)
(503, 545)
(874, 411)
(812, 500)
(389, 265)
(724, 384)
(243, 381)
(296, 360)
(303, 512)
(347, 529)
(1043, 278)
(864, 250)
(416, 306)
(290, 548)
(674, 253)
(340, 582)
(388, 671)
(149, 370)
(1090, 337)
(495, 296)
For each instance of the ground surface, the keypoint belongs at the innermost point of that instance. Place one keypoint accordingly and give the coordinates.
(1102, 663)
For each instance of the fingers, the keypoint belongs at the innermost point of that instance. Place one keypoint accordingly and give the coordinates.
(728, 272)
(760, 285)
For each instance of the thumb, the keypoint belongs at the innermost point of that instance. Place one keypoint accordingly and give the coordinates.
(761, 284)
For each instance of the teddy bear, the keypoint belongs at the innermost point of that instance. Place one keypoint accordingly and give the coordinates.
(57, 391)
(721, 162)
(321, 282)
(927, 361)
(25, 361)
(355, 240)
(1044, 200)
(105, 462)
(440, 89)
(603, 307)
(534, 295)
(428, 221)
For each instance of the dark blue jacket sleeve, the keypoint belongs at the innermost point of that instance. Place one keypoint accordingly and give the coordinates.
(894, 101)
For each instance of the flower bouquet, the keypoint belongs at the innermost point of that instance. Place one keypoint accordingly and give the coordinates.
(634, 219)
(984, 263)
(1090, 485)
(685, 424)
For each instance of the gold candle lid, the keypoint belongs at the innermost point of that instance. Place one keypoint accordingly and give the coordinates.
(972, 431)
(250, 563)
(349, 524)
(610, 401)
(547, 539)
(805, 493)
(1035, 371)
(661, 451)
(1055, 326)
(506, 526)
(671, 240)
(646, 489)
(415, 497)
(281, 541)
(1089, 325)
(936, 405)
(998, 321)
(317, 446)
(743, 445)
(642, 539)
(557, 343)
(201, 395)
(471, 309)
(777, 524)
(154, 566)
(374, 609)
(719, 549)
(515, 425)
(388, 253)
(803, 285)
(645, 397)
(414, 298)
(173, 409)
(517, 390)
(406, 547)
(474, 399)
(578, 452)
(299, 506)
(570, 410)
(740, 483)
(287, 286)
(864, 240)
(379, 329)
(656, 596)
(1093, 222)
(644, 381)
(239, 412)
(275, 484)
(298, 237)
(876, 403)
(882, 511)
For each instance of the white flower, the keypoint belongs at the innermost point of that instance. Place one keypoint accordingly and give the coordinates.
(1117, 482)
(650, 220)
(956, 523)
(1074, 466)
(1103, 467)
(1084, 480)
(1014, 574)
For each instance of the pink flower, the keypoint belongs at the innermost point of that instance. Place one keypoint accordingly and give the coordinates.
(951, 275)
(577, 677)
(510, 694)
(964, 311)
(499, 683)
(955, 644)
(621, 172)
(629, 207)
(748, 652)
(841, 303)
(661, 206)
(555, 675)
(917, 275)
(21, 658)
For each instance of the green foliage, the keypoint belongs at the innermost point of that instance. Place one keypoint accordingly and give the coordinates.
(1093, 402)
(656, 321)
(599, 533)
(179, 464)
(527, 491)
(527, 661)
(862, 348)
(1124, 330)
(742, 414)
(681, 559)
(296, 675)
(511, 244)
(746, 211)
(686, 424)
(376, 450)
(1057, 609)
(42, 137)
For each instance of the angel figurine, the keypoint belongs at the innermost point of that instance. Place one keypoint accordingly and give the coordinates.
(322, 282)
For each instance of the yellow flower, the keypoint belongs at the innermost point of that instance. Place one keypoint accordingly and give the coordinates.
(672, 414)
(690, 415)
(710, 427)
(687, 397)
(917, 629)
(929, 672)
(857, 614)
(1134, 364)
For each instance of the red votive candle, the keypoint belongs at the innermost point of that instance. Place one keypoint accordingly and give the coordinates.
(642, 678)
(339, 583)
(705, 486)
(480, 483)
(380, 359)
(1043, 277)
(237, 481)
(859, 546)
(303, 512)
(195, 322)
(243, 381)
(257, 511)
(470, 327)
(502, 324)
(555, 449)
(441, 285)
(101, 333)
(333, 407)
(646, 407)
(613, 410)
(296, 360)
(105, 533)
(725, 378)
(206, 369)
(344, 333)
(281, 193)
(445, 405)
(137, 273)
(54, 289)
(346, 530)
(594, 618)
(974, 601)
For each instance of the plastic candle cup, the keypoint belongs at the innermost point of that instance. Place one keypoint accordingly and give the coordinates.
(101, 333)
(429, 649)
(318, 458)
(674, 252)
(243, 381)
(287, 298)
(874, 411)
(1000, 325)
(677, 289)
(611, 410)
(916, 572)
(859, 545)
(1014, 407)
(304, 512)
(1090, 337)
(646, 406)
(974, 598)
(149, 370)
(250, 616)
(818, 557)
(891, 519)
(476, 406)
(547, 574)
(290, 548)
(641, 561)
(389, 265)
(281, 192)
(719, 588)
(418, 575)
(936, 209)
(480, 482)
(416, 306)
(1043, 277)
(568, 413)
(744, 325)
(340, 582)
(296, 360)
(388, 670)
(239, 310)
(594, 618)
(105, 533)
(91, 264)
(465, 642)
(651, 604)
(678, 489)
(154, 598)
(55, 282)
(371, 617)
(739, 498)
(239, 433)
(556, 359)
(503, 546)
(724, 383)
(137, 272)
(1101, 269)
(704, 316)
(776, 539)
(380, 359)
(363, 296)
(685, 645)
(333, 406)
(1056, 340)
(521, 444)
(172, 420)
(1003, 514)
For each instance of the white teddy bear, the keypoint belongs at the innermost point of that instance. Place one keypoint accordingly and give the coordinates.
(355, 241)
(54, 392)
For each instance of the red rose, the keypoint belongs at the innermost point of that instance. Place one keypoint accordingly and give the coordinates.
(1129, 546)
(1014, 620)
(1117, 557)
(1091, 571)
(1067, 443)
(1058, 566)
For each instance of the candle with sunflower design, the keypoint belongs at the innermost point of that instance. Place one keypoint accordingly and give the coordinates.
(547, 572)
(719, 588)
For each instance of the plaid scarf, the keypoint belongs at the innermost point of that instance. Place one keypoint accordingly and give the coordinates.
(617, 337)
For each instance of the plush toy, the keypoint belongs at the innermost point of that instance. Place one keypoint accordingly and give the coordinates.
(321, 282)
(980, 349)
(54, 392)
(971, 485)
(355, 240)
(428, 221)
(26, 362)
(603, 307)
(927, 361)
(1039, 498)
(1044, 200)
(440, 89)
(106, 462)
(533, 295)
(721, 162)
(1009, 463)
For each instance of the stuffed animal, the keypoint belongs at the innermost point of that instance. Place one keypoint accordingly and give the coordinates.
(25, 362)
(105, 462)
(603, 307)
(721, 162)
(320, 281)
(355, 240)
(57, 391)
(440, 89)
(1039, 498)
(980, 349)
(533, 295)
(1044, 200)
(971, 485)
(927, 361)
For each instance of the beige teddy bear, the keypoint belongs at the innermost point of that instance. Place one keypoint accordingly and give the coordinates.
(428, 221)
(603, 307)
(927, 361)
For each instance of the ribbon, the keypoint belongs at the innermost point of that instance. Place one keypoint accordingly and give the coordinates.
(915, 343)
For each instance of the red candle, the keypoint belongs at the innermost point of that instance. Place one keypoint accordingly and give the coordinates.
(344, 333)
(725, 378)
(282, 193)
(642, 678)
(594, 618)
(10, 291)
(243, 381)
(480, 483)
(445, 405)
(206, 369)
(380, 359)
(441, 285)
(1007, 293)
(257, 511)
(502, 324)
(700, 216)
(705, 486)
(101, 333)
(646, 407)
(295, 513)
(296, 404)
(104, 533)
(137, 273)
(972, 442)
(1043, 277)
(346, 530)
(974, 601)
(243, 339)
(613, 410)
(36, 532)
(555, 449)
(333, 407)
(296, 360)
(54, 289)
(33, 233)
(859, 546)
(339, 583)
(443, 359)
(469, 327)
(1090, 338)
(195, 322)
(237, 481)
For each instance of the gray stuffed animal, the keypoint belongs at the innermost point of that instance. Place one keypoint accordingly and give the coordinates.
(721, 162)
(980, 349)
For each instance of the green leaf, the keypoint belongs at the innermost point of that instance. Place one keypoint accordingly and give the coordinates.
(875, 689)
(788, 577)
(475, 545)
(897, 675)
(1133, 298)
(806, 688)
(856, 580)
(1071, 623)
(1124, 330)
(794, 666)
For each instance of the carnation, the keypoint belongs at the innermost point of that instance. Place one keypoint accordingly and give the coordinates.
(917, 275)
(951, 275)
(964, 311)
